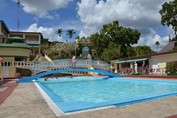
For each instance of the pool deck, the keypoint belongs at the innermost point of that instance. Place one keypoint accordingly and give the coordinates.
(26, 102)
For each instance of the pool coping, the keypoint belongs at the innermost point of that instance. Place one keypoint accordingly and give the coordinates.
(50, 102)
(57, 111)
(114, 104)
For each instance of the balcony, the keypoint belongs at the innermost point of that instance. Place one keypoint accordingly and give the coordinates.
(32, 42)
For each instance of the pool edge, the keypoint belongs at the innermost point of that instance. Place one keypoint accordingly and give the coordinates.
(127, 102)
(50, 102)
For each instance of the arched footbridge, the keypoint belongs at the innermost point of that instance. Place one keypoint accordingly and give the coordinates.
(61, 64)
(102, 72)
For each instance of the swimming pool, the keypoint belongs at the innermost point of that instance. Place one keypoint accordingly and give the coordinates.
(80, 93)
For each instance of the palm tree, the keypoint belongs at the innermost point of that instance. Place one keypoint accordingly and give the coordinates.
(59, 32)
(157, 43)
(70, 33)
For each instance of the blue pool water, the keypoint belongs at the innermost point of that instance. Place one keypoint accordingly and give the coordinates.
(78, 93)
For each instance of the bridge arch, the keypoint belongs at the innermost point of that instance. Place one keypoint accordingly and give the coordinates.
(29, 79)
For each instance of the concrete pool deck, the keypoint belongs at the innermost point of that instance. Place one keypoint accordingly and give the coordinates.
(26, 102)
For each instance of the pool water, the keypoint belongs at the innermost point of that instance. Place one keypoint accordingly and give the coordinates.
(78, 93)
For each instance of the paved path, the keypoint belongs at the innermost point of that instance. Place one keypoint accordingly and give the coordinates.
(27, 102)
(6, 89)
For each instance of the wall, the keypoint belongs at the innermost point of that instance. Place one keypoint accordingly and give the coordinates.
(8, 58)
(159, 61)
(14, 52)
(10, 70)
(1, 71)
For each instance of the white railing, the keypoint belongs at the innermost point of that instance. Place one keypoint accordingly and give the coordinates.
(18, 63)
(28, 41)
(37, 67)
(141, 71)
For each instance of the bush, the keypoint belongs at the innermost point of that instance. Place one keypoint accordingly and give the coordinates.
(171, 67)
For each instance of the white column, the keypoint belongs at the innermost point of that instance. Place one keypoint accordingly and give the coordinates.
(136, 68)
(24, 36)
(39, 39)
(39, 44)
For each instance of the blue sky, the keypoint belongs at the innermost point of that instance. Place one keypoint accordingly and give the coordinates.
(87, 17)
(63, 16)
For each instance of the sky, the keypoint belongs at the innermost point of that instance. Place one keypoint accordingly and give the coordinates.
(86, 17)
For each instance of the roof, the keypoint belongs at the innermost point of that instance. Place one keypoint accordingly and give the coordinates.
(16, 32)
(132, 60)
(14, 46)
(168, 47)
(16, 38)
(45, 39)
(146, 56)
(5, 26)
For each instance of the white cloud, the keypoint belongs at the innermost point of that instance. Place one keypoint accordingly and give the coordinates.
(47, 32)
(82, 34)
(151, 38)
(40, 8)
(141, 14)
(73, 24)
(50, 32)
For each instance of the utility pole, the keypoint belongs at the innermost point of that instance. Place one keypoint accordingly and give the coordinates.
(18, 18)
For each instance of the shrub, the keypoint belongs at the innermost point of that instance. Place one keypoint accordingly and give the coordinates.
(171, 66)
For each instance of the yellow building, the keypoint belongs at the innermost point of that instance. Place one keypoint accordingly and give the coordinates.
(156, 63)
(33, 39)
(18, 46)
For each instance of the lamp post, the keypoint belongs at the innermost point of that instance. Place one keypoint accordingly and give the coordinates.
(75, 47)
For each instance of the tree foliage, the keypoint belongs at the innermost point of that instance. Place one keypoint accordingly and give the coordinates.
(175, 46)
(169, 14)
(70, 33)
(171, 66)
(142, 50)
(112, 52)
(113, 38)
(59, 31)
(62, 50)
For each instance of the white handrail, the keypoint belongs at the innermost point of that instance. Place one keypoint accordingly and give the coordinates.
(37, 67)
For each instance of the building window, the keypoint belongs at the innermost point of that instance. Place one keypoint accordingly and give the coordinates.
(20, 58)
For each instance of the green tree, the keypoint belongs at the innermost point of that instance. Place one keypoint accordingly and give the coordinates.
(142, 50)
(130, 51)
(171, 66)
(112, 52)
(110, 34)
(59, 32)
(70, 33)
(169, 14)
(175, 46)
